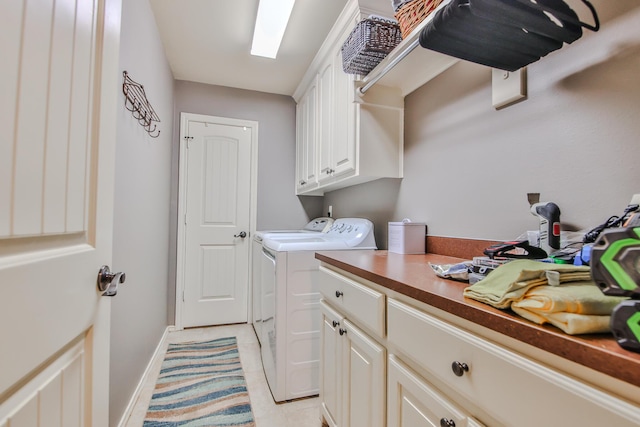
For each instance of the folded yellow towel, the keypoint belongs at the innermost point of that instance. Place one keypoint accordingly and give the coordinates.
(571, 323)
(512, 280)
(576, 308)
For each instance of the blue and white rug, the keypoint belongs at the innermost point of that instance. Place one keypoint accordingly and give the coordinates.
(201, 384)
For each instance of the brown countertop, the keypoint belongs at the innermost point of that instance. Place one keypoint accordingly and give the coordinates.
(411, 275)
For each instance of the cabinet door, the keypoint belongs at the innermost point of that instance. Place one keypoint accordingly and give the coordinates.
(330, 366)
(343, 142)
(324, 114)
(415, 403)
(306, 140)
(364, 389)
(311, 137)
(301, 111)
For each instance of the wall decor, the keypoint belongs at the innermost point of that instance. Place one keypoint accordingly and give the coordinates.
(135, 100)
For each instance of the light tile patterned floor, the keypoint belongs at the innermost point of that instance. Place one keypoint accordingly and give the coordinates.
(299, 413)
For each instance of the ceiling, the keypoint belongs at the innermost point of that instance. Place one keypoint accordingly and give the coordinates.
(209, 41)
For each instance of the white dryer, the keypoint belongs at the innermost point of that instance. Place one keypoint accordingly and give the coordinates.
(290, 304)
(314, 227)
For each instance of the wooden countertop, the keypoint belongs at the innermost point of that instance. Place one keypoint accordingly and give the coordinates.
(411, 275)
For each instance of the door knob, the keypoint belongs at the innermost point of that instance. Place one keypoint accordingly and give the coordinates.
(108, 281)
(242, 234)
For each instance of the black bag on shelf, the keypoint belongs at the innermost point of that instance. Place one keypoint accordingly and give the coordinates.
(504, 34)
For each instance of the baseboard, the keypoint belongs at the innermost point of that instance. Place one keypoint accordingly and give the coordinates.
(134, 398)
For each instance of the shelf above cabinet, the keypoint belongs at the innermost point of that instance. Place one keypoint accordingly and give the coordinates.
(409, 66)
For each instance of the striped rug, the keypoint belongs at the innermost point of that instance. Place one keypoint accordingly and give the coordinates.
(201, 384)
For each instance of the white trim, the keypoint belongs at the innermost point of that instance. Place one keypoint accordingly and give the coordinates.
(158, 354)
(185, 118)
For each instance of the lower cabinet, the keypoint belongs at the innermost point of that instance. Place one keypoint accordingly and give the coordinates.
(388, 363)
(352, 386)
(512, 388)
(363, 379)
(331, 366)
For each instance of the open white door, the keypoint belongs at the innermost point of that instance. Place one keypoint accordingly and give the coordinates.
(217, 203)
(59, 91)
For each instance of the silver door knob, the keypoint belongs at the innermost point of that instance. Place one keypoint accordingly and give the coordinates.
(108, 281)
(242, 235)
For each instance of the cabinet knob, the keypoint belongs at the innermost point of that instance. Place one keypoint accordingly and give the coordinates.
(342, 331)
(459, 368)
(445, 422)
(334, 323)
(339, 294)
(303, 182)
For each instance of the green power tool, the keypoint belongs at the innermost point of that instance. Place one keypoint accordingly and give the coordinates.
(615, 268)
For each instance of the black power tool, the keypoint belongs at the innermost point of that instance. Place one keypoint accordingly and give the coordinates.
(615, 268)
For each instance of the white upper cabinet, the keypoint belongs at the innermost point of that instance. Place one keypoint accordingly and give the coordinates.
(359, 138)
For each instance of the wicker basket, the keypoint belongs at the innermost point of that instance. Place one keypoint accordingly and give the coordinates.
(369, 43)
(413, 13)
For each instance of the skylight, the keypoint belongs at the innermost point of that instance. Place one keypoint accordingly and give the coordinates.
(271, 22)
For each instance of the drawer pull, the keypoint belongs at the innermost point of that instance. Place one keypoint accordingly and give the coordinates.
(459, 368)
(339, 294)
(335, 323)
(342, 331)
(444, 422)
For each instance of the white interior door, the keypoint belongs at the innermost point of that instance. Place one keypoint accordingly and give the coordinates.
(218, 213)
(59, 89)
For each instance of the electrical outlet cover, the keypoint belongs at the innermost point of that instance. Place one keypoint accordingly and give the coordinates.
(508, 87)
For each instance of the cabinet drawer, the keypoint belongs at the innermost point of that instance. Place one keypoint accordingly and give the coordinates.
(412, 402)
(358, 302)
(515, 390)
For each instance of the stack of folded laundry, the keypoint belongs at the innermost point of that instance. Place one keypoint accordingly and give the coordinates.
(560, 294)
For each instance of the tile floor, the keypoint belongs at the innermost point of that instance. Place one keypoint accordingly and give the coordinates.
(299, 413)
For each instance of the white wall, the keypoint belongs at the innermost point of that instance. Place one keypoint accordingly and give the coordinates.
(141, 219)
(469, 167)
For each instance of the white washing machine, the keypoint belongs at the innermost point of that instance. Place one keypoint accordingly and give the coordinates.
(314, 227)
(318, 225)
(290, 304)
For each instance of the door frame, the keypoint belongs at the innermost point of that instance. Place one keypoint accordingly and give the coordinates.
(185, 118)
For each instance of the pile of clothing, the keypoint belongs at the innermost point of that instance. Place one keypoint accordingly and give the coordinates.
(560, 294)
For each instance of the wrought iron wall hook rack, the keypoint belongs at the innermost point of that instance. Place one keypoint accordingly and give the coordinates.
(135, 100)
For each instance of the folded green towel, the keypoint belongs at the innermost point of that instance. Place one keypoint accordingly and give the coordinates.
(512, 280)
(576, 308)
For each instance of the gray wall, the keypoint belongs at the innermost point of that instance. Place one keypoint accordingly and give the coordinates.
(278, 206)
(141, 217)
(468, 167)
